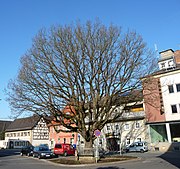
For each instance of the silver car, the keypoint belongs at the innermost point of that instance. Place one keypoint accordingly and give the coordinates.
(137, 147)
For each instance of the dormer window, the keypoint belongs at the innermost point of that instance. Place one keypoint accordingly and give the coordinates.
(162, 65)
(170, 63)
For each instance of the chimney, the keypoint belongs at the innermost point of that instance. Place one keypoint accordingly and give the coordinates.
(166, 54)
(177, 56)
(166, 60)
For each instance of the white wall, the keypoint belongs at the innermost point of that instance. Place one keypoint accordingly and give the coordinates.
(2, 144)
(19, 135)
(170, 98)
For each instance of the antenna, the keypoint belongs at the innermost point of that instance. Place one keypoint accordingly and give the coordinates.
(156, 50)
(155, 47)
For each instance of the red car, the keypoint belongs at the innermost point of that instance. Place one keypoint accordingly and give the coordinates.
(64, 149)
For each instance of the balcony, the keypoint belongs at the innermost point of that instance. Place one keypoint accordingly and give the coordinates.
(133, 114)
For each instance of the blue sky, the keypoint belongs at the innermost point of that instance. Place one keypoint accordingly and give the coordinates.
(20, 20)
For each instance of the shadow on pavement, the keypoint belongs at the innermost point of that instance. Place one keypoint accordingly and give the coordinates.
(9, 152)
(173, 157)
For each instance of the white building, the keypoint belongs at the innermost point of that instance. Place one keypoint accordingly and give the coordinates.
(130, 127)
(27, 131)
(163, 112)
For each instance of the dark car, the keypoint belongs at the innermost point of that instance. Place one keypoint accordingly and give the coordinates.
(27, 150)
(42, 152)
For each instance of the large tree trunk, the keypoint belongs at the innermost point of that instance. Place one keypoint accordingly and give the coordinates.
(88, 148)
(89, 144)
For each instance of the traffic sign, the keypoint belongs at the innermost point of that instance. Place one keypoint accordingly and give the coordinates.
(97, 133)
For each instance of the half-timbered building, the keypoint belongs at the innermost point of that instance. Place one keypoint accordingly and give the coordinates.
(27, 131)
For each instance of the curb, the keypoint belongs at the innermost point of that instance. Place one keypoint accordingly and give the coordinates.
(94, 164)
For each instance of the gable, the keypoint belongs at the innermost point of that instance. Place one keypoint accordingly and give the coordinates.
(23, 123)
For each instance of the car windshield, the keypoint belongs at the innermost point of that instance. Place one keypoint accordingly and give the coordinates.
(58, 146)
(145, 143)
(43, 149)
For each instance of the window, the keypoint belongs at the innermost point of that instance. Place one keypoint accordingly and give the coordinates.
(139, 144)
(139, 139)
(57, 128)
(18, 144)
(174, 108)
(117, 127)
(126, 126)
(108, 127)
(71, 140)
(171, 89)
(27, 143)
(45, 133)
(137, 125)
(127, 141)
(178, 87)
(162, 65)
(170, 63)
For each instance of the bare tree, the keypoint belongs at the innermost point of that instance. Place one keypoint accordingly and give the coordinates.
(90, 68)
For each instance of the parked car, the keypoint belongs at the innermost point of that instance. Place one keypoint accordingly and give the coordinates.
(137, 147)
(44, 145)
(64, 149)
(42, 152)
(27, 150)
(101, 152)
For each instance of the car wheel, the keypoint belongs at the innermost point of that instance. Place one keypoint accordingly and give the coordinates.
(65, 154)
(142, 151)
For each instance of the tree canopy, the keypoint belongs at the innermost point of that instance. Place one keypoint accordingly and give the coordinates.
(88, 67)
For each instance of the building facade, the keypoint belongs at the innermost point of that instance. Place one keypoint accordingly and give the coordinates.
(57, 136)
(130, 127)
(162, 101)
(27, 131)
(3, 126)
(59, 133)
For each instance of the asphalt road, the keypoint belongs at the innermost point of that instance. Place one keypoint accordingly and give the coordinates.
(10, 159)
